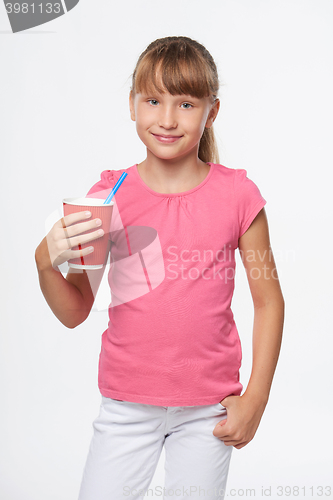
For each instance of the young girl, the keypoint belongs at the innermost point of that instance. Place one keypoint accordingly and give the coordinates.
(170, 358)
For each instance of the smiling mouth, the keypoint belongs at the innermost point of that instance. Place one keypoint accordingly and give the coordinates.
(167, 139)
(168, 136)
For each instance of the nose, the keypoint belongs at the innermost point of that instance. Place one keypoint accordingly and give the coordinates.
(167, 117)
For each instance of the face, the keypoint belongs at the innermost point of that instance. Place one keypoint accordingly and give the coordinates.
(171, 126)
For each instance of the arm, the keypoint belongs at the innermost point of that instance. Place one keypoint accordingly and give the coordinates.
(70, 298)
(245, 412)
(268, 305)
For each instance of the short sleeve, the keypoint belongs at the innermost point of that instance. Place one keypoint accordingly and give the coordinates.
(248, 198)
(102, 188)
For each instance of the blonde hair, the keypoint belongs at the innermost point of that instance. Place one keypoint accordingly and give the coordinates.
(187, 68)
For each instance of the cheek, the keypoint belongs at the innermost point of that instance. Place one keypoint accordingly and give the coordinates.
(141, 130)
(196, 123)
(143, 121)
(196, 129)
(203, 121)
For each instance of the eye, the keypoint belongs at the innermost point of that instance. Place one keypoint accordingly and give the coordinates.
(187, 104)
(152, 100)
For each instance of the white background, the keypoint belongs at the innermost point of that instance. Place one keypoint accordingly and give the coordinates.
(64, 118)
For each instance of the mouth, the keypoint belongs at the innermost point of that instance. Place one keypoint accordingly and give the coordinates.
(167, 138)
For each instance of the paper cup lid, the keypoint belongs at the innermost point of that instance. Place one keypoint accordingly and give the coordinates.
(88, 202)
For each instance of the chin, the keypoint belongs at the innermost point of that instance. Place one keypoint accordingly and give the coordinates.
(166, 154)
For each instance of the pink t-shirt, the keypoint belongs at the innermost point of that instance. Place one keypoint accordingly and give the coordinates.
(172, 339)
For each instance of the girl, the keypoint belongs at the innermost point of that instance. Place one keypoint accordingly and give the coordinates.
(170, 358)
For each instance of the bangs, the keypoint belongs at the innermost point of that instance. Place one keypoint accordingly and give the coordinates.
(177, 69)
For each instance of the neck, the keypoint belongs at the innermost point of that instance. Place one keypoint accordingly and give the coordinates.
(172, 175)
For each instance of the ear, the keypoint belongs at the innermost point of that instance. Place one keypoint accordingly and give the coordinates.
(131, 105)
(213, 113)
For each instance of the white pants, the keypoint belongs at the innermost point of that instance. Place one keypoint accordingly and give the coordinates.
(127, 443)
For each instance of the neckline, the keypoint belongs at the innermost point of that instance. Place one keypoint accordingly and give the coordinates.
(182, 193)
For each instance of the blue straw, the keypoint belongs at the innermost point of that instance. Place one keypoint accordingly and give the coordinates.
(115, 188)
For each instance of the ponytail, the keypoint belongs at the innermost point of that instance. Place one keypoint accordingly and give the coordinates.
(208, 150)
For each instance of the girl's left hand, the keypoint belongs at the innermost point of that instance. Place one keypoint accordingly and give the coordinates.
(243, 418)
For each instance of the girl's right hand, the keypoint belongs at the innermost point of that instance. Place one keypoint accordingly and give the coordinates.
(56, 248)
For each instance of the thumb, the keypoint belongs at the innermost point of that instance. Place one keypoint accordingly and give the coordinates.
(218, 428)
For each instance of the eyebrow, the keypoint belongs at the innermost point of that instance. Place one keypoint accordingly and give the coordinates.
(178, 96)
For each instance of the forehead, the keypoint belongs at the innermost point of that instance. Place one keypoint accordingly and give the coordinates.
(170, 78)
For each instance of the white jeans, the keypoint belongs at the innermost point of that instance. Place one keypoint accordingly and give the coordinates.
(127, 443)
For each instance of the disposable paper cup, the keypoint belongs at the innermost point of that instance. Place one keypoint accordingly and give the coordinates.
(96, 259)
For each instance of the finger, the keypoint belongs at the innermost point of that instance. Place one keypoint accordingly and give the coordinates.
(67, 254)
(222, 437)
(220, 432)
(240, 445)
(84, 238)
(77, 254)
(229, 442)
(65, 231)
(234, 442)
(82, 227)
(75, 217)
(220, 427)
